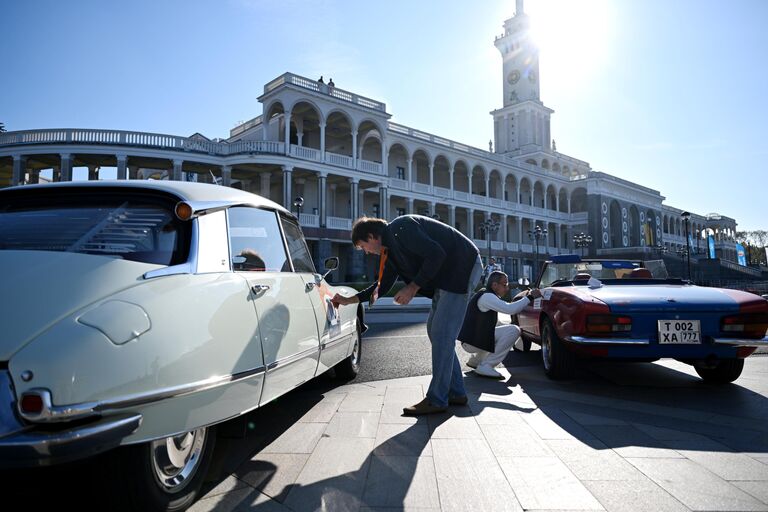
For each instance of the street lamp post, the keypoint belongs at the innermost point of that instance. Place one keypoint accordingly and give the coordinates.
(686, 220)
(298, 203)
(581, 241)
(536, 234)
(490, 226)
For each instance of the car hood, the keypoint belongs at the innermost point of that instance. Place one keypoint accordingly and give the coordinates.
(634, 298)
(39, 288)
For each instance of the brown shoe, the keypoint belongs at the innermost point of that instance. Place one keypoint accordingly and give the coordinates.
(458, 400)
(423, 407)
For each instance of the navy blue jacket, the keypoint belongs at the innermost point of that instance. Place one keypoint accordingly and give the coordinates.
(427, 252)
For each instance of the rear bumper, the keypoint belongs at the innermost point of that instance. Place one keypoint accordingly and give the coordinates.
(583, 340)
(646, 349)
(33, 446)
(25, 444)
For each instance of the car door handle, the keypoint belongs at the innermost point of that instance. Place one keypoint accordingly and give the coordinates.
(308, 287)
(258, 288)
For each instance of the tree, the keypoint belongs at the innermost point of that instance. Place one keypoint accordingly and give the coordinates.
(2, 127)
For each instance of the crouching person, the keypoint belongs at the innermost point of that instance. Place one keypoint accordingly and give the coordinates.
(479, 334)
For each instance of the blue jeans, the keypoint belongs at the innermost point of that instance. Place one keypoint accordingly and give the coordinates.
(443, 326)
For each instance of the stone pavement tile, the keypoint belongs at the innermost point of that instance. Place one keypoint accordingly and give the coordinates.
(399, 509)
(589, 419)
(694, 486)
(453, 426)
(552, 423)
(628, 441)
(393, 413)
(633, 496)
(402, 482)
(546, 483)
(358, 402)
(366, 388)
(403, 395)
(239, 500)
(404, 440)
(299, 438)
(590, 459)
(469, 477)
(757, 489)
(335, 473)
(273, 473)
(720, 459)
(353, 424)
(323, 411)
(231, 483)
(516, 439)
(491, 412)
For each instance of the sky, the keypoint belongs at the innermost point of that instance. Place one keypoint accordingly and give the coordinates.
(669, 94)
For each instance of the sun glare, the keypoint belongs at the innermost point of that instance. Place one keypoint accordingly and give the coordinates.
(573, 38)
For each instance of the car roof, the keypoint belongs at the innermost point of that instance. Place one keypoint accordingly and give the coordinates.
(185, 191)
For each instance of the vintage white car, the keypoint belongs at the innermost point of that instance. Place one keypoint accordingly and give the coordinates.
(143, 313)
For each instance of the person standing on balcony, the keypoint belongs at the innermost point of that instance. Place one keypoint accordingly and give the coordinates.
(436, 261)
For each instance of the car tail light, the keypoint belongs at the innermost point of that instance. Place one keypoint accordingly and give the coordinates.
(747, 324)
(31, 403)
(608, 324)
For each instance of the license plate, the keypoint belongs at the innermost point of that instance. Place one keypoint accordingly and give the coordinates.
(673, 332)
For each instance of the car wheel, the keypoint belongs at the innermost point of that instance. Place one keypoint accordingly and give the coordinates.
(167, 474)
(726, 371)
(559, 363)
(349, 367)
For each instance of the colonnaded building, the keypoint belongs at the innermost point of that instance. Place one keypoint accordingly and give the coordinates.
(342, 155)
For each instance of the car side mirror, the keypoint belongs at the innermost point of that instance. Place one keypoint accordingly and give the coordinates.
(331, 264)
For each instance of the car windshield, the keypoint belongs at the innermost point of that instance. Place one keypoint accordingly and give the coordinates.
(133, 227)
(615, 269)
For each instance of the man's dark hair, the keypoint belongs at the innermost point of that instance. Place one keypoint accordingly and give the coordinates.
(494, 277)
(366, 226)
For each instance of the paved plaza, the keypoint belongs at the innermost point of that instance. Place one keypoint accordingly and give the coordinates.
(621, 437)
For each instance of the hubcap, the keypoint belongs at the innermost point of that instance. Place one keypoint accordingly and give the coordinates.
(356, 351)
(176, 459)
(546, 348)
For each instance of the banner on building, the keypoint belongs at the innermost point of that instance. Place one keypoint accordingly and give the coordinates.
(741, 255)
(648, 234)
(711, 245)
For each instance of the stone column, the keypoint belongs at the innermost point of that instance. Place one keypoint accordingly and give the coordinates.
(452, 215)
(488, 186)
(322, 142)
(471, 223)
(383, 206)
(66, 167)
(354, 197)
(409, 202)
(322, 179)
(451, 177)
(354, 149)
(19, 170)
(133, 172)
(265, 178)
(226, 175)
(331, 209)
(431, 206)
(384, 156)
(431, 174)
(410, 170)
(504, 230)
(177, 175)
(287, 132)
(287, 187)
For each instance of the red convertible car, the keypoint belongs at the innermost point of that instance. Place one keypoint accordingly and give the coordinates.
(631, 311)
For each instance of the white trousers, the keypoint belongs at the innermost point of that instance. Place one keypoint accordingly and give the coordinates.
(505, 336)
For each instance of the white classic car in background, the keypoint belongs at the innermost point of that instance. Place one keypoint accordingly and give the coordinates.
(143, 314)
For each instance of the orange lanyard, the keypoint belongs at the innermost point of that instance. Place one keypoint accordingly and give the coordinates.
(382, 262)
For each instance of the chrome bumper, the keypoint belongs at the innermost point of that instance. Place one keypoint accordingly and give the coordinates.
(742, 343)
(609, 341)
(29, 445)
(630, 341)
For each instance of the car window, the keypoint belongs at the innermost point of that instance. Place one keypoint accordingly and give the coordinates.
(297, 247)
(129, 227)
(256, 243)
